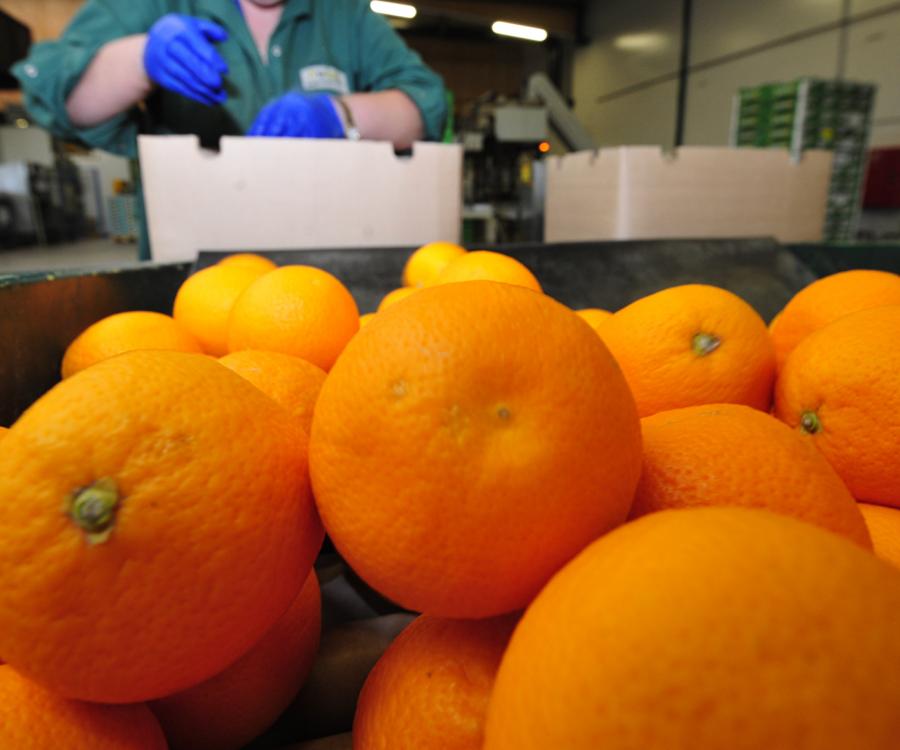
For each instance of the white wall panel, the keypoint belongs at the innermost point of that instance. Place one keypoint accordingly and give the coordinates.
(645, 117)
(873, 55)
(632, 42)
(721, 27)
(863, 6)
(885, 135)
(711, 91)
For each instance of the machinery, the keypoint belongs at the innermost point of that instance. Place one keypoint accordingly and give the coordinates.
(504, 142)
(40, 204)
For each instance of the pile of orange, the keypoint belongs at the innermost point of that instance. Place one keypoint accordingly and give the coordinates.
(616, 527)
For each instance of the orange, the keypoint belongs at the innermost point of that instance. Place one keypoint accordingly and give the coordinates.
(483, 265)
(691, 345)
(32, 718)
(468, 443)
(828, 299)
(365, 319)
(237, 705)
(884, 526)
(841, 388)
(3, 431)
(158, 523)
(204, 303)
(297, 310)
(430, 689)
(249, 260)
(426, 263)
(290, 381)
(594, 317)
(125, 332)
(707, 629)
(727, 454)
(392, 298)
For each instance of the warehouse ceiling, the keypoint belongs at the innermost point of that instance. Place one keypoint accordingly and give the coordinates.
(560, 18)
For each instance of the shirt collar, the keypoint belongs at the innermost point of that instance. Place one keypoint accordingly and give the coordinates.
(297, 8)
(227, 10)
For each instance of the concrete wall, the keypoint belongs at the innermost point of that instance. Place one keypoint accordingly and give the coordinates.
(626, 80)
(26, 144)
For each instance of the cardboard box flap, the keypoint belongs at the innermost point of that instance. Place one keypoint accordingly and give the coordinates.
(584, 184)
(642, 192)
(279, 193)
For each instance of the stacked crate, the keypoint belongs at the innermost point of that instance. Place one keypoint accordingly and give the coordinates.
(812, 113)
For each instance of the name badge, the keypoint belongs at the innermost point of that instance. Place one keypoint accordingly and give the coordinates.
(324, 78)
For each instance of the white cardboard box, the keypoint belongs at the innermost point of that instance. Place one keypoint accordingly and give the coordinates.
(279, 193)
(640, 192)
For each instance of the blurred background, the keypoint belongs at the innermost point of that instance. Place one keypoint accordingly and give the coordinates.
(794, 74)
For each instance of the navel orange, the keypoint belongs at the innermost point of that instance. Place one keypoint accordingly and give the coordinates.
(33, 718)
(290, 381)
(828, 299)
(841, 388)
(426, 263)
(728, 454)
(706, 629)
(158, 522)
(884, 527)
(392, 298)
(594, 317)
(430, 689)
(298, 310)
(204, 302)
(231, 709)
(468, 443)
(484, 265)
(691, 345)
(125, 332)
(249, 260)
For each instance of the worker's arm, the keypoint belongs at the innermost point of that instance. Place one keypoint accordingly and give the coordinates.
(387, 116)
(52, 71)
(178, 53)
(114, 82)
(382, 116)
(398, 99)
(402, 86)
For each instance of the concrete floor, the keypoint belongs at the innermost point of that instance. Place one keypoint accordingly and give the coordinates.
(89, 254)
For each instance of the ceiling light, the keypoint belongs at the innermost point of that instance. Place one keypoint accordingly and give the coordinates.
(398, 10)
(531, 33)
(640, 42)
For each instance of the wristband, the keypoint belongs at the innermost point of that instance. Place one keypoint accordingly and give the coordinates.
(351, 131)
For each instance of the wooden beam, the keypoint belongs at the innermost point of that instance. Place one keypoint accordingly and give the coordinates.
(10, 97)
(45, 18)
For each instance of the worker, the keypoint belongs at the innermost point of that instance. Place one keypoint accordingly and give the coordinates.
(278, 68)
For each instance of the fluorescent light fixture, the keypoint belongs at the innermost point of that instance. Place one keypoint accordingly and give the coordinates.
(531, 33)
(398, 10)
(646, 41)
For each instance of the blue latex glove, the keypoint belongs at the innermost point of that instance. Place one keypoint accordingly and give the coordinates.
(297, 115)
(180, 56)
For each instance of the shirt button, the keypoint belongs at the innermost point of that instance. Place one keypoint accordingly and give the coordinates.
(31, 71)
(276, 51)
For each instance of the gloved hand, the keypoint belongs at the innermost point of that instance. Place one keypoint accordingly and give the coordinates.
(180, 56)
(297, 115)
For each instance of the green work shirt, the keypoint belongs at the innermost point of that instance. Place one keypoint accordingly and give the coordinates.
(333, 46)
